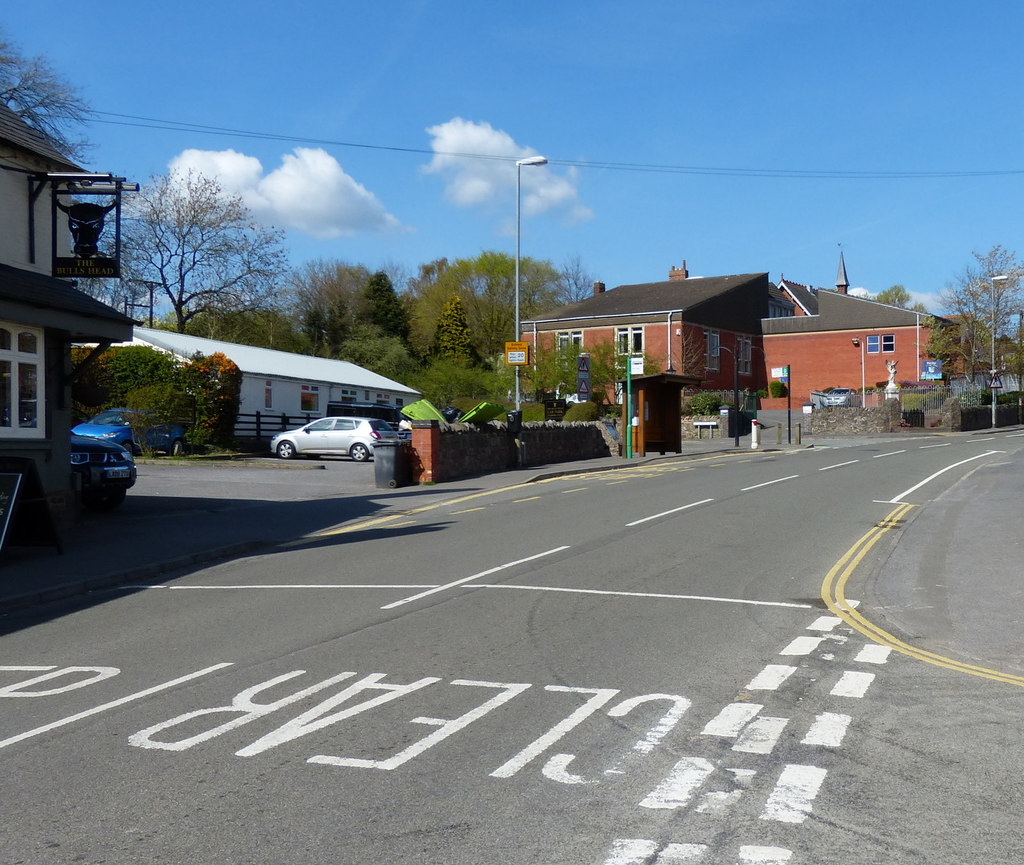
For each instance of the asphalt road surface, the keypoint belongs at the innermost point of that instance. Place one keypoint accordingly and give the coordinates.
(799, 658)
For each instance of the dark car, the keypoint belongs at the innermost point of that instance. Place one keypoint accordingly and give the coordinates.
(107, 471)
(113, 425)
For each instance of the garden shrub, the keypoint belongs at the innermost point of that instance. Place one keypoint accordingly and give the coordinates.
(705, 403)
(777, 388)
(582, 411)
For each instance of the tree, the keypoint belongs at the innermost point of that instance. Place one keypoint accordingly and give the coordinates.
(486, 286)
(31, 88)
(452, 338)
(196, 244)
(324, 296)
(382, 307)
(574, 282)
(897, 295)
(980, 309)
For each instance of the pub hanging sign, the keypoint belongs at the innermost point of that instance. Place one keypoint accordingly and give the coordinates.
(92, 203)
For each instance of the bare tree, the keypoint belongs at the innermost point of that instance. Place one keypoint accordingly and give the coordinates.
(31, 88)
(574, 282)
(196, 243)
(980, 308)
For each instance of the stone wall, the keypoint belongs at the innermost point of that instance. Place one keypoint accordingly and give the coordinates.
(464, 450)
(840, 420)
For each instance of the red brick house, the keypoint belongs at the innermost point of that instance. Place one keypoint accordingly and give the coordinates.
(836, 339)
(696, 326)
(716, 327)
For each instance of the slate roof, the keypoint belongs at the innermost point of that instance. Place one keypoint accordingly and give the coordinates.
(803, 295)
(703, 299)
(272, 363)
(39, 299)
(16, 131)
(837, 311)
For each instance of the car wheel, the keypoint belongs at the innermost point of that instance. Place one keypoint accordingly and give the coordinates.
(359, 452)
(105, 500)
(177, 448)
(286, 450)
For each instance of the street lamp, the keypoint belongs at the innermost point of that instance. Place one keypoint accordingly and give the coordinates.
(530, 160)
(992, 280)
(735, 392)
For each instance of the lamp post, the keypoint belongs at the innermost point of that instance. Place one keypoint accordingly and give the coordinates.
(859, 343)
(530, 160)
(992, 280)
(735, 392)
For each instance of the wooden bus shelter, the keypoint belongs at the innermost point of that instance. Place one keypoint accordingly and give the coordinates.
(655, 405)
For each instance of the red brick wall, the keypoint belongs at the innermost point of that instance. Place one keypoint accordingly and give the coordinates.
(822, 360)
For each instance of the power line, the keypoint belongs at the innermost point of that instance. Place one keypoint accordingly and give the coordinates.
(723, 171)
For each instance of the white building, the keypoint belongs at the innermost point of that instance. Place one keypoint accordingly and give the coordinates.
(281, 382)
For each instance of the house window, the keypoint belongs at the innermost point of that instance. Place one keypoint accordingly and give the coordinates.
(743, 355)
(348, 395)
(712, 356)
(629, 340)
(309, 398)
(569, 337)
(886, 343)
(268, 394)
(21, 381)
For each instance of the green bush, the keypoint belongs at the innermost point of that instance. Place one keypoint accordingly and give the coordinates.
(777, 388)
(914, 401)
(582, 411)
(705, 403)
(533, 412)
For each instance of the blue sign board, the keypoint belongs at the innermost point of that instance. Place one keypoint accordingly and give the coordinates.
(931, 370)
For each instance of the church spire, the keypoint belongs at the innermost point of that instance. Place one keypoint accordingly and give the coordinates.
(842, 283)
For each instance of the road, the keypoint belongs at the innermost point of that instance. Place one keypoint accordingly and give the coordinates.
(799, 657)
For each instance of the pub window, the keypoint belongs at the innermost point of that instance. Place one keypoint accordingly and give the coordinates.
(22, 382)
(268, 394)
(712, 355)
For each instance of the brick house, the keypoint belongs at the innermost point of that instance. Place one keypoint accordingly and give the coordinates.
(836, 339)
(702, 326)
(695, 326)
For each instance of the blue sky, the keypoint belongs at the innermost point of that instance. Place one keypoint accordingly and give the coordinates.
(738, 136)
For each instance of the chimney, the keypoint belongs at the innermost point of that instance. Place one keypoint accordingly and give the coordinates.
(678, 273)
(598, 288)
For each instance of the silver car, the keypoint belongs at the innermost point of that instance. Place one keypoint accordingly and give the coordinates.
(839, 396)
(334, 436)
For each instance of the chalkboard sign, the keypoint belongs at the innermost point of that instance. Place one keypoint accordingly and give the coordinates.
(10, 486)
(26, 519)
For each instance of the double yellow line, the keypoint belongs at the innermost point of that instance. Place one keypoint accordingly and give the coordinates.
(833, 593)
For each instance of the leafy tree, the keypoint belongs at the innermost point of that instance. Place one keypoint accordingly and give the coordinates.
(265, 328)
(215, 383)
(486, 286)
(197, 245)
(452, 338)
(897, 295)
(43, 99)
(324, 296)
(444, 380)
(389, 356)
(381, 306)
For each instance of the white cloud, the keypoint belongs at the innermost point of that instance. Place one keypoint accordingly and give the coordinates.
(486, 177)
(860, 292)
(309, 191)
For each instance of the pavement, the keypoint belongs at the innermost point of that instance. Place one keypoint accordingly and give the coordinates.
(185, 514)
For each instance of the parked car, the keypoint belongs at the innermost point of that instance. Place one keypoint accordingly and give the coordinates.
(113, 425)
(334, 436)
(106, 469)
(838, 396)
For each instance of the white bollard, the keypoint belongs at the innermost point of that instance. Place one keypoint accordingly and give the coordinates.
(755, 434)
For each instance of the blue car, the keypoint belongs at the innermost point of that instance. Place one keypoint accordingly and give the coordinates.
(112, 425)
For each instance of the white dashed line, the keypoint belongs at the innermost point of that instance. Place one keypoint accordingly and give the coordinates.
(828, 730)
(852, 684)
(874, 654)
(802, 646)
(732, 719)
(793, 796)
(770, 677)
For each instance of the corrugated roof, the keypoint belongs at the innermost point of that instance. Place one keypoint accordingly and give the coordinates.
(270, 362)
